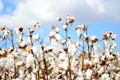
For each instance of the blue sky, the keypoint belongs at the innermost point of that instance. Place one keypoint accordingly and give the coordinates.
(8, 7)
(100, 15)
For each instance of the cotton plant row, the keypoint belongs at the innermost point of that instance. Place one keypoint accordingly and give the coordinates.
(62, 59)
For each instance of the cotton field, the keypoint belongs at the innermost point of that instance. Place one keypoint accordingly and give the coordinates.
(62, 59)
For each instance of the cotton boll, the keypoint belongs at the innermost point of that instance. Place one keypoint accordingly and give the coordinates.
(113, 46)
(49, 48)
(37, 25)
(22, 43)
(71, 19)
(68, 41)
(29, 77)
(89, 74)
(21, 72)
(31, 30)
(65, 27)
(5, 32)
(117, 77)
(57, 29)
(105, 77)
(71, 49)
(34, 48)
(107, 54)
(64, 65)
(3, 62)
(112, 67)
(62, 55)
(96, 60)
(59, 18)
(73, 63)
(52, 27)
(86, 61)
(19, 63)
(10, 62)
(106, 43)
(29, 60)
(80, 73)
(77, 44)
(19, 30)
(79, 78)
(78, 32)
(90, 63)
(35, 70)
(17, 79)
(112, 35)
(52, 34)
(101, 70)
(96, 48)
(103, 57)
(36, 37)
(33, 76)
(58, 37)
(21, 76)
(93, 38)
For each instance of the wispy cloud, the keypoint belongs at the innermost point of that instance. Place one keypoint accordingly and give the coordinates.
(45, 11)
(1, 5)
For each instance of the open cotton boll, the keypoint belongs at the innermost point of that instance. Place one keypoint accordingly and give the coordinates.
(29, 60)
(65, 65)
(33, 76)
(36, 37)
(106, 43)
(19, 63)
(34, 48)
(101, 70)
(21, 72)
(105, 77)
(77, 44)
(96, 48)
(93, 37)
(10, 62)
(52, 34)
(58, 37)
(3, 62)
(86, 61)
(59, 18)
(96, 60)
(37, 25)
(72, 49)
(113, 45)
(89, 74)
(28, 77)
(21, 43)
(62, 56)
(35, 69)
(80, 73)
(79, 78)
(65, 27)
(103, 57)
(78, 32)
(107, 53)
(57, 29)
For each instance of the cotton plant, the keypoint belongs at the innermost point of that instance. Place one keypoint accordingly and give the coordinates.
(62, 59)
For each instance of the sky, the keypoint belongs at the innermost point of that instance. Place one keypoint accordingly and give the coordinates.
(100, 16)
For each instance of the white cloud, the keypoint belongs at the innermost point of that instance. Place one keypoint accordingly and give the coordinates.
(46, 11)
(1, 5)
(96, 5)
